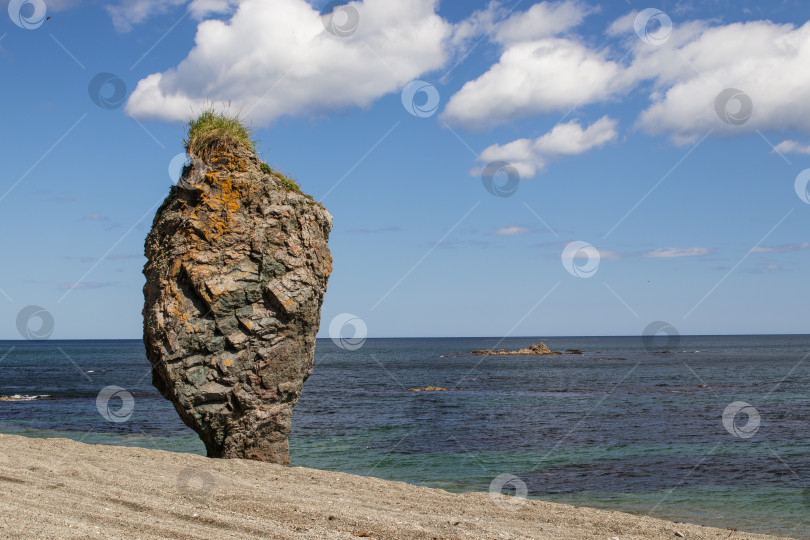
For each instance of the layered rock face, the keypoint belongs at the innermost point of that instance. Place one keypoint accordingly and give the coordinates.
(237, 268)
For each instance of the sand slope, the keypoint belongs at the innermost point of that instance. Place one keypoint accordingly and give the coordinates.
(58, 488)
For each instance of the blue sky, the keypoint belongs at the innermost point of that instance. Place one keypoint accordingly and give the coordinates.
(689, 202)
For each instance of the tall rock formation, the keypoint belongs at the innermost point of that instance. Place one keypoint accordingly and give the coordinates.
(237, 269)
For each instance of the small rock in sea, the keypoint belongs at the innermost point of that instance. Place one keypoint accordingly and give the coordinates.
(429, 389)
(573, 351)
(539, 349)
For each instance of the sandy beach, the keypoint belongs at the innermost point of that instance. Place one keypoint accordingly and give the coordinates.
(58, 488)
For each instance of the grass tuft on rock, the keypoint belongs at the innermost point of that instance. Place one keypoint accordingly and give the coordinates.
(286, 183)
(213, 130)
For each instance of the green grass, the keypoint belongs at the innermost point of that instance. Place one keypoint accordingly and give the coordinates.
(286, 183)
(213, 130)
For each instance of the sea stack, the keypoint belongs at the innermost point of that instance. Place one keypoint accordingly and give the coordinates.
(237, 268)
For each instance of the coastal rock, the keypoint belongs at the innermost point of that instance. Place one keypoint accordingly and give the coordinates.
(237, 268)
(429, 389)
(539, 349)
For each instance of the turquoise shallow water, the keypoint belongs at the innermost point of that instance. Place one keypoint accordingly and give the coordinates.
(619, 427)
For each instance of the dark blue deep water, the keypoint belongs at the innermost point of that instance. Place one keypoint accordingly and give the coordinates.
(620, 426)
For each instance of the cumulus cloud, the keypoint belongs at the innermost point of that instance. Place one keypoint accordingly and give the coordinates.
(529, 157)
(671, 252)
(534, 77)
(501, 25)
(542, 20)
(276, 58)
(273, 59)
(792, 147)
(765, 61)
(685, 77)
(622, 25)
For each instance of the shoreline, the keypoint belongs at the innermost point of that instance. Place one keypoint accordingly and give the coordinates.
(62, 488)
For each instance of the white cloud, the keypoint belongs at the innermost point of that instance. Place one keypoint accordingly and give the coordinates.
(534, 77)
(531, 156)
(764, 60)
(622, 25)
(668, 253)
(127, 13)
(276, 58)
(542, 20)
(686, 76)
(545, 19)
(792, 147)
(511, 230)
(202, 8)
(480, 23)
(784, 248)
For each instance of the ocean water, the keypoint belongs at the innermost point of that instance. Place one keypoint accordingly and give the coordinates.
(715, 431)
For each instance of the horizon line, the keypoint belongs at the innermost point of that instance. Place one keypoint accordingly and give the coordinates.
(539, 336)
